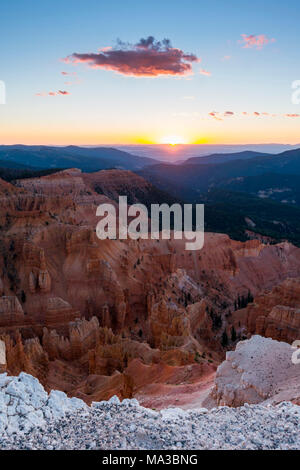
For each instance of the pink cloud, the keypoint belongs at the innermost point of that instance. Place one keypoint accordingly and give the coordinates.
(68, 73)
(147, 58)
(253, 41)
(215, 115)
(53, 93)
(219, 116)
(205, 72)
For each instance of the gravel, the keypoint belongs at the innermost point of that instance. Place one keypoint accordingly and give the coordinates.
(32, 419)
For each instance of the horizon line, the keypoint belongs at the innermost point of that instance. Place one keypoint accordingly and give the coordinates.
(148, 145)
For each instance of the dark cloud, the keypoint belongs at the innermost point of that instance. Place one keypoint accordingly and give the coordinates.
(147, 58)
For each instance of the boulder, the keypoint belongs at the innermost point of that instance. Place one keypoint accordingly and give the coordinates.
(259, 370)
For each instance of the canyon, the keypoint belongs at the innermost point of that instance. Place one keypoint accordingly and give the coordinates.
(146, 318)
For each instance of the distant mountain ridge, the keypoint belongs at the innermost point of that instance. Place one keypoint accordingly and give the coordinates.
(243, 197)
(186, 180)
(256, 196)
(226, 157)
(87, 159)
(181, 153)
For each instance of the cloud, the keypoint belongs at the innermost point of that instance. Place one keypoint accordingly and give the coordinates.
(226, 57)
(250, 114)
(68, 73)
(256, 114)
(252, 41)
(205, 72)
(215, 115)
(53, 93)
(147, 58)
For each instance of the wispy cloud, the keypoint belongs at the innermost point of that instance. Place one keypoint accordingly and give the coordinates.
(250, 114)
(253, 41)
(215, 115)
(147, 58)
(68, 73)
(205, 72)
(53, 93)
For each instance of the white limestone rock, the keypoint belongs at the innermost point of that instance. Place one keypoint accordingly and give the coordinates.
(260, 369)
(24, 404)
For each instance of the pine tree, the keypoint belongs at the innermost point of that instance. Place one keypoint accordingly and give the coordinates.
(224, 340)
(233, 334)
(23, 297)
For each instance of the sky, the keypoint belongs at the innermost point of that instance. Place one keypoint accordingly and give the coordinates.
(134, 72)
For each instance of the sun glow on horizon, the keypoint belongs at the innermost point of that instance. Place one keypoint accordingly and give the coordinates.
(173, 140)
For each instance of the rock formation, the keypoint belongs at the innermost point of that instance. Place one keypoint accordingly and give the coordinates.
(259, 370)
(96, 318)
(275, 313)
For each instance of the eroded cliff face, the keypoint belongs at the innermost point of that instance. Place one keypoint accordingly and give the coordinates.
(134, 318)
(274, 313)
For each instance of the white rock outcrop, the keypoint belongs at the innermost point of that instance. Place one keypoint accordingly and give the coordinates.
(30, 419)
(24, 404)
(259, 370)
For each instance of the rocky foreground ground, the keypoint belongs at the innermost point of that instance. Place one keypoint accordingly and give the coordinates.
(32, 419)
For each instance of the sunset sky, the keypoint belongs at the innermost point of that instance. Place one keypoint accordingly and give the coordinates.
(129, 72)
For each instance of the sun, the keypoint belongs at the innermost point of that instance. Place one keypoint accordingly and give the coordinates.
(173, 140)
